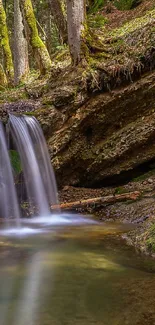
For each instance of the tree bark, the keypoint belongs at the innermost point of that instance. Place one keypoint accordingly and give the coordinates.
(111, 199)
(75, 23)
(40, 51)
(3, 78)
(4, 43)
(21, 63)
(59, 19)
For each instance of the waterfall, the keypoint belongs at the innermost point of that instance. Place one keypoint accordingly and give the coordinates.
(38, 173)
(9, 207)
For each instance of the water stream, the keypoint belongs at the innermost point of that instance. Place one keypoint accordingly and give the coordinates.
(59, 268)
(9, 206)
(75, 275)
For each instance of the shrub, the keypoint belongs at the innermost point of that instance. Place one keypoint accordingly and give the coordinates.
(126, 4)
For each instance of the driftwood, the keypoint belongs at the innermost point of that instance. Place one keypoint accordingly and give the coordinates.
(111, 199)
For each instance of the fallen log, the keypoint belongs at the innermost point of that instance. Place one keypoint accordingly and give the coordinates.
(111, 199)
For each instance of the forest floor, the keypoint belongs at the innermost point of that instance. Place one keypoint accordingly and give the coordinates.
(116, 18)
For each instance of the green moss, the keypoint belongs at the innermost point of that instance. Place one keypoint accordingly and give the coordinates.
(150, 242)
(3, 79)
(29, 113)
(133, 25)
(36, 42)
(120, 190)
(30, 17)
(126, 4)
(15, 161)
(4, 43)
(96, 5)
(96, 21)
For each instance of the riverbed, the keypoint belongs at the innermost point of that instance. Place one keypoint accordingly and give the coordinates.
(75, 275)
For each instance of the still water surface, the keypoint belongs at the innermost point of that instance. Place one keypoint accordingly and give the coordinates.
(75, 275)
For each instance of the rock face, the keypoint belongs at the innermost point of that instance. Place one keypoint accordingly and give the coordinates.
(111, 133)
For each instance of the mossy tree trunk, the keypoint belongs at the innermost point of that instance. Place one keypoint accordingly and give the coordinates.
(4, 43)
(21, 62)
(59, 19)
(40, 51)
(3, 78)
(75, 22)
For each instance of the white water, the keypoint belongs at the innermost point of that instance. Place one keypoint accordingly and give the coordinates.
(9, 206)
(33, 156)
(39, 178)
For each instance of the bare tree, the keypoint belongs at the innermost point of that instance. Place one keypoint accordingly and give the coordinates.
(59, 18)
(75, 22)
(21, 63)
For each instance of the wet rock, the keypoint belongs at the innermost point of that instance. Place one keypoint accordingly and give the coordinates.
(92, 145)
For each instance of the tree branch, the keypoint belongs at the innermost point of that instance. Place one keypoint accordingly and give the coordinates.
(111, 199)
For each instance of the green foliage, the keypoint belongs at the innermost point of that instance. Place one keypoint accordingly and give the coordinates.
(151, 239)
(126, 4)
(96, 5)
(120, 190)
(96, 21)
(15, 161)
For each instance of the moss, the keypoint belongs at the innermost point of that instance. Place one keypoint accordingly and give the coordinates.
(12, 95)
(120, 190)
(30, 113)
(35, 39)
(36, 42)
(126, 4)
(133, 25)
(97, 4)
(4, 43)
(15, 161)
(96, 21)
(150, 242)
(3, 79)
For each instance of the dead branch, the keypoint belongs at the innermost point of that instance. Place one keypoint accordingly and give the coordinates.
(111, 199)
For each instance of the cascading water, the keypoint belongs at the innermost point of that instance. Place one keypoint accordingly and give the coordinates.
(38, 173)
(8, 198)
(41, 151)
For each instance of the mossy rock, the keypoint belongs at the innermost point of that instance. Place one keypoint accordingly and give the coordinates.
(61, 97)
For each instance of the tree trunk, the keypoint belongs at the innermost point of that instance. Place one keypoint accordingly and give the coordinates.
(59, 19)
(21, 63)
(4, 43)
(75, 22)
(40, 51)
(3, 79)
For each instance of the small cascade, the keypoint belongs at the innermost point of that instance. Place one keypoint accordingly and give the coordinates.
(38, 173)
(9, 206)
(28, 139)
(41, 151)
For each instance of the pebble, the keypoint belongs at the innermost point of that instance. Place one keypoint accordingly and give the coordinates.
(150, 180)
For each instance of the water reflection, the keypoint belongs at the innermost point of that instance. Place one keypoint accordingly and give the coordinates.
(75, 275)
